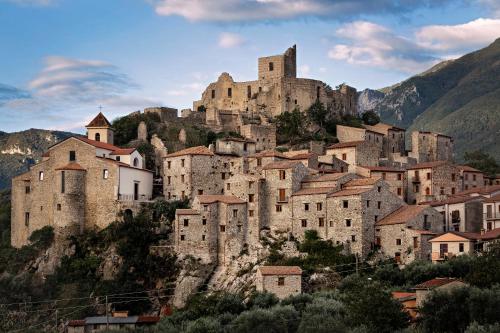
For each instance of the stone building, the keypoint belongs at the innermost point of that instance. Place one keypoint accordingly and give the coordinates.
(257, 161)
(431, 147)
(393, 138)
(165, 114)
(461, 213)
(230, 105)
(283, 281)
(214, 230)
(352, 134)
(355, 153)
(81, 184)
(470, 177)
(264, 135)
(235, 146)
(394, 177)
(431, 181)
(404, 234)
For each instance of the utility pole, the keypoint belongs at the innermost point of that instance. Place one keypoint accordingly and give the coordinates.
(107, 316)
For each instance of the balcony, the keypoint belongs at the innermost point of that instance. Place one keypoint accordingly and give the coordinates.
(491, 216)
(281, 199)
(131, 198)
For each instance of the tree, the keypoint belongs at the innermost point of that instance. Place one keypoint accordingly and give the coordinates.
(482, 161)
(370, 118)
(292, 126)
(317, 112)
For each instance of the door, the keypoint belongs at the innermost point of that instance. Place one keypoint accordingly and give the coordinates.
(443, 248)
(136, 191)
(282, 194)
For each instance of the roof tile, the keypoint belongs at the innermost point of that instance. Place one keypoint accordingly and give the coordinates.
(280, 270)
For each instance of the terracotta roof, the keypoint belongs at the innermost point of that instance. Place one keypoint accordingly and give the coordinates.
(495, 198)
(344, 193)
(199, 150)
(271, 153)
(402, 215)
(361, 182)
(237, 139)
(400, 295)
(382, 168)
(72, 166)
(427, 165)
(382, 128)
(453, 200)
(434, 283)
(481, 190)
(466, 235)
(281, 165)
(280, 270)
(467, 168)
(327, 177)
(345, 144)
(123, 151)
(99, 121)
(110, 160)
(303, 156)
(98, 144)
(228, 199)
(186, 212)
(314, 190)
(492, 234)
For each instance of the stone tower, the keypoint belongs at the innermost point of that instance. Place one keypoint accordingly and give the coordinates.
(142, 131)
(279, 66)
(69, 209)
(99, 129)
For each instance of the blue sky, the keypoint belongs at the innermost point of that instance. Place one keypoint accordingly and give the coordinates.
(61, 59)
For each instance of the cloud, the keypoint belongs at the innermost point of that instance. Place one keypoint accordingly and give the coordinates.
(30, 2)
(256, 10)
(186, 89)
(9, 93)
(374, 45)
(230, 40)
(474, 34)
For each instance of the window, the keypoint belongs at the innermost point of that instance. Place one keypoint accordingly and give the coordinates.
(460, 247)
(250, 197)
(136, 162)
(169, 180)
(453, 190)
(182, 162)
(186, 222)
(169, 195)
(330, 223)
(441, 191)
(379, 204)
(250, 213)
(249, 92)
(183, 195)
(400, 191)
(376, 218)
(379, 189)
(398, 241)
(213, 93)
(348, 222)
(321, 221)
(259, 161)
(281, 281)
(204, 221)
(27, 219)
(367, 203)
(428, 176)
(344, 156)
(400, 176)
(353, 238)
(235, 213)
(345, 204)
(384, 176)
(306, 207)
(426, 222)
(27, 190)
(63, 181)
(466, 176)
(183, 237)
(282, 174)
(304, 223)
(250, 184)
(474, 177)
(415, 242)
(40, 175)
(223, 175)
(416, 188)
(202, 237)
(118, 158)
(97, 137)
(222, 228)
(105, 174)
(205, 208)
(319, 206)
(58, 206)
(318, 90)
(228, 186)
(452, 177)
(182, 178)
(278, 208)
(169, 164)
(271, 66)
(229, 92)
(72, 155)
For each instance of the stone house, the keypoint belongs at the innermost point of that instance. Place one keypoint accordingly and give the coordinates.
(354, 210)
(331, 180)
(470, 177)
(117, 320)
(393, 139)
(351, 134)
(355, 153)
(491, 213)
(432, 181)
(264, 135)
(404, 234)
(431, 147)
(214, 230)
(330, 162)
(283, 178)
(258, 160)
(283, 281)
(461, 213)
(394, 177)
(80, 184)
(442, 284)
(235, 146)
(310, 160)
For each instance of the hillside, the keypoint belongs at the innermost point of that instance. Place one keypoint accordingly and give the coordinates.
(458, 98)
(21, 149)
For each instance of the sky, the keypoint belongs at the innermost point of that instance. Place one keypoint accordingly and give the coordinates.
(62, 59)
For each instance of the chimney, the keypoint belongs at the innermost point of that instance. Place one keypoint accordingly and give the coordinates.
(211, 147)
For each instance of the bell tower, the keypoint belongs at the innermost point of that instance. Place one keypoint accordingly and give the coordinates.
(99, 129)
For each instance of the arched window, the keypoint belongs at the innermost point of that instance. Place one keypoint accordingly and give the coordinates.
(97, 137)
(136, 162)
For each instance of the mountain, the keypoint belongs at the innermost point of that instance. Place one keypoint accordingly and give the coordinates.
(21, 149)
(460, 98)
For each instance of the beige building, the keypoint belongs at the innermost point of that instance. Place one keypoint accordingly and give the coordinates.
(393, 138)
(283, 281)
(351, 134)
(81, 184)
(453, 244)
(491, 213)
(432, 181)
(404, 234)
(230, 105)
(355, 153)
(431, 147)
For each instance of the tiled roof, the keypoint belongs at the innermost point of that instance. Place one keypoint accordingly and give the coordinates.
(466, 235)
(199, 150)
(237, 139)
(402, 215)
(345, 144)
(481, 190)
(313, 190)
(434, 283)
(344, 193)
(467, 168)
(72, 166)
(110, 160)
(280, 270)
(401, 295)
(495, 198)
(46, 154)
(186, 212)
(381, 168)
(453, 200)
(303, 156)
(270, 153)
(99, 121)
(281, 165)
(228, 199)
(427, 165)
(492, 234)
(123, 151)
(323, 178)
(98, 144)
(361, 182)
